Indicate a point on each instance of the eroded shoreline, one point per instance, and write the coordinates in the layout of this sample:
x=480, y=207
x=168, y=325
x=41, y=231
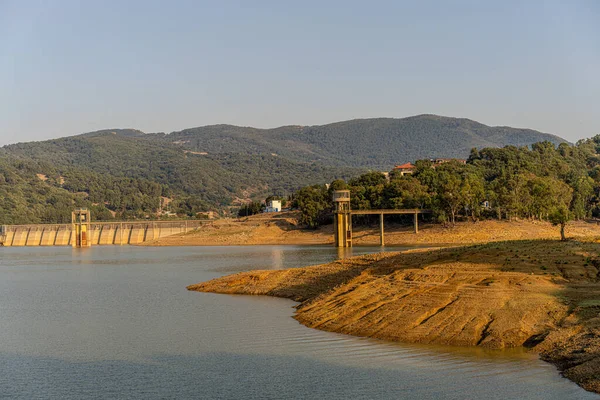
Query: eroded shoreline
x=541, y=294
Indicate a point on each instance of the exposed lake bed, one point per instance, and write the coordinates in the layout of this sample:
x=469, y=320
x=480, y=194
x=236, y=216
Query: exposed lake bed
x=119, y=322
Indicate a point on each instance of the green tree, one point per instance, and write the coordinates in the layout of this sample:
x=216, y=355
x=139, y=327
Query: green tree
x=314, y=203
x=252, y=208
x=560, y=216
x=472, y=191
x=406, y=192
x=583, y=195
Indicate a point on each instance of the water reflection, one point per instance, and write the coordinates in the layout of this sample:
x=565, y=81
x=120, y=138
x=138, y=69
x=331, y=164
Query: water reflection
x=344, y=252
x=277, y=258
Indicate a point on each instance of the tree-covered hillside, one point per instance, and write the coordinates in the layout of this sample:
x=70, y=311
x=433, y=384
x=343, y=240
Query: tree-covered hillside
x=29, y=196
x=125, y=173
x=378, y=143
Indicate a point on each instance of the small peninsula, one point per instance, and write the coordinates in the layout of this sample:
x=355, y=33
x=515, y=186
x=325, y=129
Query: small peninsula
x=541, y=294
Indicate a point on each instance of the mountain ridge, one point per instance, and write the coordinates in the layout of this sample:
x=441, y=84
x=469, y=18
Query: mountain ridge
x=377, y=143
x=251, y=129
x=126, y=171
x=344, y=121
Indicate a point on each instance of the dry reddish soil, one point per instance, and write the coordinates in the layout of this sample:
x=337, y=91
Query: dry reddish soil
x=542, y=294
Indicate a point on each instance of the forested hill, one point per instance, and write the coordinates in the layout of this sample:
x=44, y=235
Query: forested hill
x=123, y=173
x=377, y=143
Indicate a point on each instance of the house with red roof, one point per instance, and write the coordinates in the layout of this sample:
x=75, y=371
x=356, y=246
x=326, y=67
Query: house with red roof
x=404, y=169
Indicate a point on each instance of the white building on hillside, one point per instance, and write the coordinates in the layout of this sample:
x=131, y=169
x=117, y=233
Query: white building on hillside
x=273, y=206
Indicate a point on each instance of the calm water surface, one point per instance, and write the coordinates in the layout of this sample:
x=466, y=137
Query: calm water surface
x=117, y=322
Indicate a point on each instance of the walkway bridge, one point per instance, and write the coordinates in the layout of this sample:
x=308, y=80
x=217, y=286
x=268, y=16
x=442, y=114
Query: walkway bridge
x=100, y=233
x=343, y=218
x=383, y=212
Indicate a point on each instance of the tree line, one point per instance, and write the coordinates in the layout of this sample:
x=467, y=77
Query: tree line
x=543, y=182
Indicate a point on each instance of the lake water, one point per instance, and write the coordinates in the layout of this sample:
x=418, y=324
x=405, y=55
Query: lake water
x=117, y=322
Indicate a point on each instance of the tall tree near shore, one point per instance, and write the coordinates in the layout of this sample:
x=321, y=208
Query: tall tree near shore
x=405, y=192
x=449, y=193
x=583, y=195
x=560, y=216
x=314, y=203
x=472, y=191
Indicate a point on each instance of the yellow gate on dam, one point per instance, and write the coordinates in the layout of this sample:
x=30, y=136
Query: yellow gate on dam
x=96, y=233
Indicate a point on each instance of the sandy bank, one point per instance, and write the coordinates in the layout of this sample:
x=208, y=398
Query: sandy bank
x=542, y=294
x=281, y=228
x=284, y=229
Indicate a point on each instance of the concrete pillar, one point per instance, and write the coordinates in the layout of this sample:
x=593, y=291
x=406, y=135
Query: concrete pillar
x=10, y=237
x=63, y=237
x=137, y=235
x=42, y=236
x=350, y=229
x=115, y=229
x=107, y=235
x=96, y=234
x=381, y=238
x=336, y=240
x=342, y=230
x=416, y=222
x=48, y=236
x=20, y=236
x=347, y=239
x=33, y=237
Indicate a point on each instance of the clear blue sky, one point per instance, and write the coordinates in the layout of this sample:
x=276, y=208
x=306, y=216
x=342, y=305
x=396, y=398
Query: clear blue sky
x=68, y=67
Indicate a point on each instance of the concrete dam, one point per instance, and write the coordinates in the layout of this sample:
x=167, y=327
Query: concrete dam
x=99, y=233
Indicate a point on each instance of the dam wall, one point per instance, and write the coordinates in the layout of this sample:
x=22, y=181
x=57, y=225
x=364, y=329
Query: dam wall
x=101, y=233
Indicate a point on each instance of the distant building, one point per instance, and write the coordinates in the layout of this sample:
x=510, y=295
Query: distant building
x=438, y=161
x=273, y=206
x=409, y=168
x=404, y=169
x=206, y=215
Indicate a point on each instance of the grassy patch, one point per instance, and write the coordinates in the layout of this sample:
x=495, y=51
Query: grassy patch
x=590, y=303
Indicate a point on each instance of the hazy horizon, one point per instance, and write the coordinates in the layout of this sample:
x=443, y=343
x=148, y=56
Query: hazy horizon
x=69, y=67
